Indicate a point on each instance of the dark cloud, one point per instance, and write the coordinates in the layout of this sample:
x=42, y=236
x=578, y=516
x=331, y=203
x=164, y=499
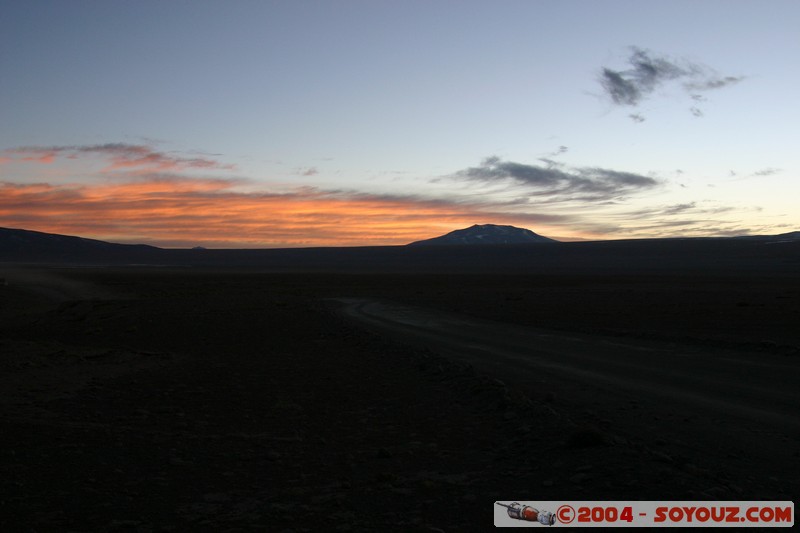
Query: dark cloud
x=696, y=111
x=636, y=117
x=647, y=72
x=621, y=90
x=560, y=183
x=493, y=168
x=628, y=87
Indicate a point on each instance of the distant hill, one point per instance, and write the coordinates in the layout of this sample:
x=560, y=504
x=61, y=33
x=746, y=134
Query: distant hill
x=19, y=245
x=675, y=255
x=486, y=234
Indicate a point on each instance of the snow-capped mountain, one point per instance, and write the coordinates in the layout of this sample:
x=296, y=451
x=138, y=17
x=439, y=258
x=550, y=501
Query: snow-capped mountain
x=486, y=234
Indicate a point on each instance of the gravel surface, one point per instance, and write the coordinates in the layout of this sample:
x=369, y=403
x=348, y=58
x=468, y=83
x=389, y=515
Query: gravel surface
x=171, y=400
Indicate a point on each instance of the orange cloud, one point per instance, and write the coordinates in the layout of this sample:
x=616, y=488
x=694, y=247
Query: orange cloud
x=184, y=212
x=45, y=156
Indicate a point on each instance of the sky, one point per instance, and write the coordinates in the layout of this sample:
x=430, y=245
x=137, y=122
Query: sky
x=248, y=124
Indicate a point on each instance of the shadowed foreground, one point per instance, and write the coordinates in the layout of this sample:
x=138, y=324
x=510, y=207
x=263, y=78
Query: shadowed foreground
x=170, y=399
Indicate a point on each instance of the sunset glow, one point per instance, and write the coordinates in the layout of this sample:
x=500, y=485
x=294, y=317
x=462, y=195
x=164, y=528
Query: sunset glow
x=188, y=213
x=252, y=129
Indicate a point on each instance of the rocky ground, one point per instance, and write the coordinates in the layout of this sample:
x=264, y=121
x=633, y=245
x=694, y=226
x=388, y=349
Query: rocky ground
x=161, y=400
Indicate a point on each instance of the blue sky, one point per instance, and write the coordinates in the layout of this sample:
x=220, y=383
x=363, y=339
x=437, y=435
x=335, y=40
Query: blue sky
x=348, y=123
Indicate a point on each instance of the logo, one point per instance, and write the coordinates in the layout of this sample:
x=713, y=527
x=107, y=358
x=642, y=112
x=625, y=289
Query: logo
x=529, y=514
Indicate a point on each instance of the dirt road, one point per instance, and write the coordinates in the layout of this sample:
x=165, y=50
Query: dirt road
x=708, y=405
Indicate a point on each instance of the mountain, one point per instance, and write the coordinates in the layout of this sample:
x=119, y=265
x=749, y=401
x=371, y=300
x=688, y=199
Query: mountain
x=734, y=254
x=791, y=236
x=19, y=245
x=485, y=234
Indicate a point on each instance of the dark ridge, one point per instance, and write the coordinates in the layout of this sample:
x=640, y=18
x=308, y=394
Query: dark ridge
x=25, y=246
x=691, y=255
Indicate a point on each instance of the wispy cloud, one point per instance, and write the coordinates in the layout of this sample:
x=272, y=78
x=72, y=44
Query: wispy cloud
x=648, y=71
x=560, y=150
x=169, y=199
x=308, y=171
x=689, y=219
x=766, y=172
x=710, y=82
x=763, y=173
x=558, y=182
x=121, y=156
x=696, y=208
